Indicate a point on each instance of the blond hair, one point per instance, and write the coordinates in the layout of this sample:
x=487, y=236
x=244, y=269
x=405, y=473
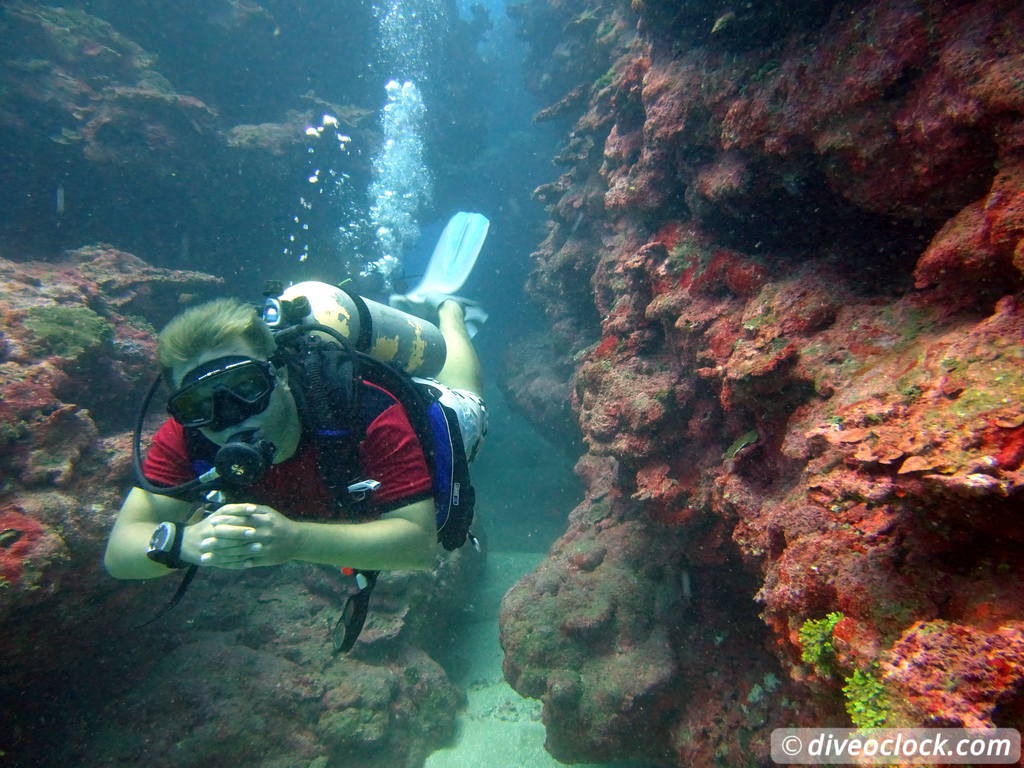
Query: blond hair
x=208, y=326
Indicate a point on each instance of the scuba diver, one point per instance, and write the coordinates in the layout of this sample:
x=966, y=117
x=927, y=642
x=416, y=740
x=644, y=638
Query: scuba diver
x=326, y=428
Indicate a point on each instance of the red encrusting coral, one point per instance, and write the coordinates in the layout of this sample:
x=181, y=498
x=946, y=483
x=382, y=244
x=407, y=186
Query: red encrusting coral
x=18, y=535
x=933, y=662
x=1011, y=454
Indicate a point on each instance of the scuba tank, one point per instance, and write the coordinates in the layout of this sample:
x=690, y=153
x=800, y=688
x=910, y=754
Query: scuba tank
x=382, y=332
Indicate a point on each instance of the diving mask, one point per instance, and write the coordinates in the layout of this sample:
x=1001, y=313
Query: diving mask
x=223, y=392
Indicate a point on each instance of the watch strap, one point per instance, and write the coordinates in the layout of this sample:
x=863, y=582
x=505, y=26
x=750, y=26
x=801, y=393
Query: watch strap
x=175, y=553
x=170, y=557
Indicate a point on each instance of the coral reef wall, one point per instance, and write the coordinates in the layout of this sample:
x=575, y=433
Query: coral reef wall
x=784, y=272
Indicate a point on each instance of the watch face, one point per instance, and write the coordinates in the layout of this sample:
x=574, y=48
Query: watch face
x=162, y=537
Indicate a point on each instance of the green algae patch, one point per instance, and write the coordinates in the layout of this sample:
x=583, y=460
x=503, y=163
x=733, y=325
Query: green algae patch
x=683, y=256
x=605, y=80
x=816, y=643
x=866, y=700
x=67, y=331
x=741, y=442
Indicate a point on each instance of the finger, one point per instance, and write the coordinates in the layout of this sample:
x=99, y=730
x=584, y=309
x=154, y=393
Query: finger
x=212, y=545
x=227, y=558
x=225, y=519
x=230, y=537
x=261, y=518
x=216, y=544
x=242, y=510
x=257, y=519
x=237, y=561
x=230, y=531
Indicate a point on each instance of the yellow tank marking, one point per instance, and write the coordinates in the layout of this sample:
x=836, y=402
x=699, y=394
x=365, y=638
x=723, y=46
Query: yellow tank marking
x=341, y=322
x=419, y=346
x=340, y=317
x=385, y=348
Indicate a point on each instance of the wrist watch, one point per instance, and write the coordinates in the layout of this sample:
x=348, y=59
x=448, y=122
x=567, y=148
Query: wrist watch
x=165, y=545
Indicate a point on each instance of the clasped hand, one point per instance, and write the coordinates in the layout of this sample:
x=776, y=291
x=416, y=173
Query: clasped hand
x=241, y=536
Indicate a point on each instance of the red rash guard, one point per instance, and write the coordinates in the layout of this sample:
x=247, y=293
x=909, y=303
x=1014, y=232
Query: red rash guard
x=390, y=454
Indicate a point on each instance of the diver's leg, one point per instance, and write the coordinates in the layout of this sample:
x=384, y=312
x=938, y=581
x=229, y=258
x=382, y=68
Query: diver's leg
x=462, y=366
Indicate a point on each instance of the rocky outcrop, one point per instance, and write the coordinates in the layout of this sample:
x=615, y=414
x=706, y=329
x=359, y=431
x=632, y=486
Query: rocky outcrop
x=784, y=265
x=71, y=356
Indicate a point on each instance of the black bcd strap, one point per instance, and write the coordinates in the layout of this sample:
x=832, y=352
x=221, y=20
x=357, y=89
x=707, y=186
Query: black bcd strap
x=329, y=378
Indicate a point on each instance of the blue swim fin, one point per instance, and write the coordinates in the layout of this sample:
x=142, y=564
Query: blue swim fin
x=455, y=254
x=450, y=264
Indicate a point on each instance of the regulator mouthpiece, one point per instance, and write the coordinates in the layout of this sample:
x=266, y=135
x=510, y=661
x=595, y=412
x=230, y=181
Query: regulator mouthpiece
x=244, y=459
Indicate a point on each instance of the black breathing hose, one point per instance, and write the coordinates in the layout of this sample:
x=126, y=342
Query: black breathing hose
x=140, y=478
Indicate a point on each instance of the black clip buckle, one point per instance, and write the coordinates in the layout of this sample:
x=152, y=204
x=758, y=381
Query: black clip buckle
x=359, y=491
x=346, y=630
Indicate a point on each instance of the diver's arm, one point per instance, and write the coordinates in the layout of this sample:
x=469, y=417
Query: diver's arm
x=404, y=538
x=140, y=513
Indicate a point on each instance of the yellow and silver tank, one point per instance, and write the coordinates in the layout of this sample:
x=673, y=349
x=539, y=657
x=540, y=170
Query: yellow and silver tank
x=384, y=333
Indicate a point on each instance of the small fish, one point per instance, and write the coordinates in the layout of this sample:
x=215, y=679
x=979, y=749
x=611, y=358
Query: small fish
x=723, y=22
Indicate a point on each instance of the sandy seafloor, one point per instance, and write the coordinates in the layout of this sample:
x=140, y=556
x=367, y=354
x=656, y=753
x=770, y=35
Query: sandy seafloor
x=498, y=728
x=525, y=489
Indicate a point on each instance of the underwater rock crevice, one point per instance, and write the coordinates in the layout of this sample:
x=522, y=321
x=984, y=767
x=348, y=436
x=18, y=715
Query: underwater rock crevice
x=807, y=276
